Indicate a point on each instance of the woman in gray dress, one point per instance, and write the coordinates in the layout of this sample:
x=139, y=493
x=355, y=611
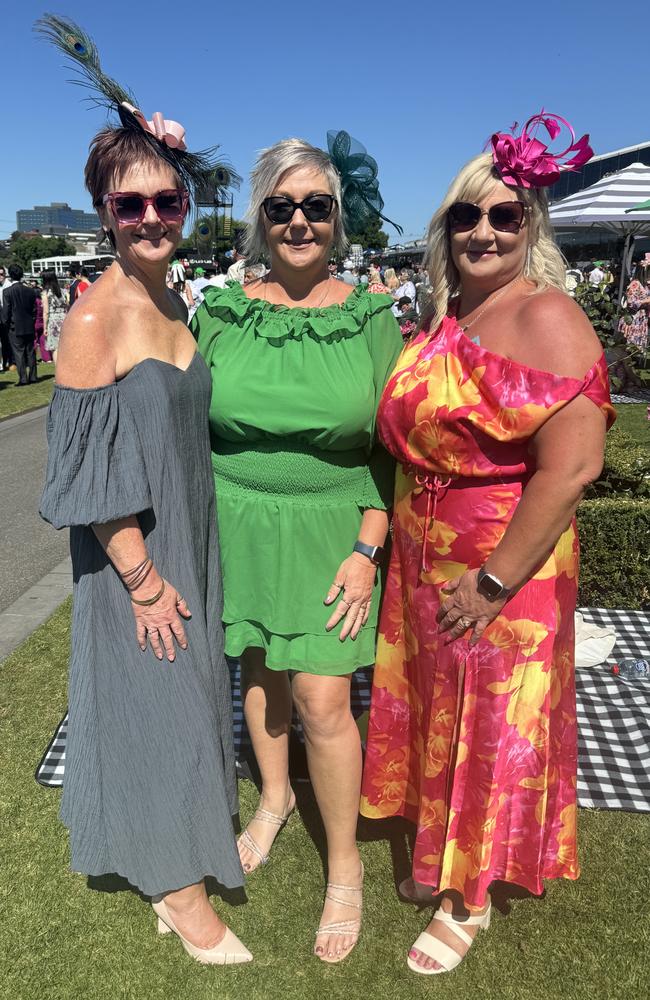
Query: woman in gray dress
x=150, y=786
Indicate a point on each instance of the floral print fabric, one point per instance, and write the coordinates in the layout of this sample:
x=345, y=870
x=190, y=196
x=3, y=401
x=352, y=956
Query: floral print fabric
x=476, y=746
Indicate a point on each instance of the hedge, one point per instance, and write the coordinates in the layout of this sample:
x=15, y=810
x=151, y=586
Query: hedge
x=614, y=553
x=626, y=470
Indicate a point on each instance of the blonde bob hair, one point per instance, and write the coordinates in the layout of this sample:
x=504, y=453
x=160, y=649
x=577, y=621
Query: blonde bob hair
x=271, y=166
x=545, y=265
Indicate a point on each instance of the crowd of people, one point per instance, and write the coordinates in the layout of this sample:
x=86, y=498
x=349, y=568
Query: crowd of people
x=288, y=483
x=31, y=317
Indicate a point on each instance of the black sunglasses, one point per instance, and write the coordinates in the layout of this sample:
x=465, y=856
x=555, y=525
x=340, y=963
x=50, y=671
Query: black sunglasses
x=315, y=208
x=506, y=217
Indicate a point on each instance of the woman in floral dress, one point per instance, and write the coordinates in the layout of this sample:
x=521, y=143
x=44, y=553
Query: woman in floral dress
x=496, y=413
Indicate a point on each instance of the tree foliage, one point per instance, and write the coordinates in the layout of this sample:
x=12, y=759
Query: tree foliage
x=23, y=249
x=372, y=236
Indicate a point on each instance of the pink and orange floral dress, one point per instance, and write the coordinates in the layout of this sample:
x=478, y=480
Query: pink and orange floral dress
x=477, y=746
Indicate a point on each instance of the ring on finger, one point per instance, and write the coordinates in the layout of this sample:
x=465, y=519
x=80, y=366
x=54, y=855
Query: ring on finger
x=464, y=623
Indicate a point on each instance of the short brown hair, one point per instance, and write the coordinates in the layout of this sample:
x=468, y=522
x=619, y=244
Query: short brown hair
x=113, y=151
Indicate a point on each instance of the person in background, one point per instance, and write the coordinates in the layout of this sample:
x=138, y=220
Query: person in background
x=332, y=269
x=39, y=328
x=596, y=275
x=54, y=312
x=218, y=279
x=572, y=278
x=375, y=284
x=407, y=317
x=635, y=330
x=391, y=280
x=363, y=275
x=5, y=346
x=19, y=314
x=405, y=288
x=348, y=275
x=237, y=269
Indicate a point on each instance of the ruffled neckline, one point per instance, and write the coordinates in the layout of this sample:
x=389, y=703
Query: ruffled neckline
x=278, y=323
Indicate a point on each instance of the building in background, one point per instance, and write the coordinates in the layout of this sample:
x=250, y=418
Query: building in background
x=56, y=219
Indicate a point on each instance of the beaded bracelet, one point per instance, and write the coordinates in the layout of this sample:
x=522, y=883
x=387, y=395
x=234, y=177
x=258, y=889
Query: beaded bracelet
x=150, y=600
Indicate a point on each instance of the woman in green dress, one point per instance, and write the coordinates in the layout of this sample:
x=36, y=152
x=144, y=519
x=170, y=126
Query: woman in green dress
x=298, y=363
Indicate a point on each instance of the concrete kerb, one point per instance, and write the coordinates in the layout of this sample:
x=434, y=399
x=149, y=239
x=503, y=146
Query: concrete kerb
x=35, y=606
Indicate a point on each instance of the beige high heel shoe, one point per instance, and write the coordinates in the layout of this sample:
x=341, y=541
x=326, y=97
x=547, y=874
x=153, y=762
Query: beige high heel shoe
x=229, y=951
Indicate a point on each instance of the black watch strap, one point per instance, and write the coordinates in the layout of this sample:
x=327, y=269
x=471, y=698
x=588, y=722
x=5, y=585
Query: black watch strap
x=373, y=552
x=490, y=586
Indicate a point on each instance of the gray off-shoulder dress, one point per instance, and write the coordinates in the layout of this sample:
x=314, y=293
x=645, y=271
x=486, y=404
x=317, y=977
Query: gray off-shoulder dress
x=150, y=787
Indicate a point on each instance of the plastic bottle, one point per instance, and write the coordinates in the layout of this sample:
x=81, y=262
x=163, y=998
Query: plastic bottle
x=632, y=667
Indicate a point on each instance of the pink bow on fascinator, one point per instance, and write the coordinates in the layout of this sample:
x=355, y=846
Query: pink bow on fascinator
x=524, y=161
x=164, y=129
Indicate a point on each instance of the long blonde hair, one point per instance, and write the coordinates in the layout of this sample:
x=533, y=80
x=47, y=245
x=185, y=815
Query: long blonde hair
x=545, y=266
x=390, y=279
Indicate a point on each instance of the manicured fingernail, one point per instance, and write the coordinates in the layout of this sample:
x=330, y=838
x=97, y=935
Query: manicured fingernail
x=413, y=953
x=142, y=648
x=159, y=656
x=183, y=645
x=171, y=659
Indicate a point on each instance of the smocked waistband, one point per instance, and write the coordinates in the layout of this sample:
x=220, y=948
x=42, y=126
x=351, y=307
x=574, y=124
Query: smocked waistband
x=299, y=474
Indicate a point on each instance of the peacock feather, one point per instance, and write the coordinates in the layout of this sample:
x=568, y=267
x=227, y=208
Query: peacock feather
x=201, y=171
x=80, y=49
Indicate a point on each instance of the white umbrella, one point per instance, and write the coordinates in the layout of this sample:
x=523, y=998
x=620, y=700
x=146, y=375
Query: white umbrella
x=605, y=204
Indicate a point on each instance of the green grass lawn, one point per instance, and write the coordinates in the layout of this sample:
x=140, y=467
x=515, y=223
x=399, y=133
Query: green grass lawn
x=633, y=419
x=64, y=937
x=14, y=400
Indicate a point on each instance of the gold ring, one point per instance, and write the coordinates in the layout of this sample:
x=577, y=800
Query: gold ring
x=464, y=624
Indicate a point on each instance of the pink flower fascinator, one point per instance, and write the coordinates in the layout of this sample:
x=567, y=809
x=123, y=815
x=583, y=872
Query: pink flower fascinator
x=525, y=161
x=165, y=129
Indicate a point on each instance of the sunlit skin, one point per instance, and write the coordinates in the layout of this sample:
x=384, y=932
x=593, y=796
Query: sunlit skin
x=128, y=315
x=299, y=276
x=548, y=331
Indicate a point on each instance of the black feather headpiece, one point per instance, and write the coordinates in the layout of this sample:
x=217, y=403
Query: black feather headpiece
x=200, y=172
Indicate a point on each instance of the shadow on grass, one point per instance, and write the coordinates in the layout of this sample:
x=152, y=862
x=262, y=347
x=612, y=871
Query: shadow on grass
x=116, y=883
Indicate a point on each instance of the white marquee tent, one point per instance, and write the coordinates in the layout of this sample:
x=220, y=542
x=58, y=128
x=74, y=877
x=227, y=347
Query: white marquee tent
x=606, y=203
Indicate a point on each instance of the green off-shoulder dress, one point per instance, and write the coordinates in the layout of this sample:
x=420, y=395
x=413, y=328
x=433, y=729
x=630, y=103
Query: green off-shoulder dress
x=292, y=424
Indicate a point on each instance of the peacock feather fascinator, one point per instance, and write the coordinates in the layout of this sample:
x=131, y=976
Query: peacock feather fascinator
x=199, y=172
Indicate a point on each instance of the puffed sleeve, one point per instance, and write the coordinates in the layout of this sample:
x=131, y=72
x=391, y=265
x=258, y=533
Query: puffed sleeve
x=385, y=344
x=95, y=466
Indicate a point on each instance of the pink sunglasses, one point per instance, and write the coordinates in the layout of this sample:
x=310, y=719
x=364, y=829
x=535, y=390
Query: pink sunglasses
x=129, y=207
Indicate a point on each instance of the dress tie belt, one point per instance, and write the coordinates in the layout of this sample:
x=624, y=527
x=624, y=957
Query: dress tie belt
x=433, y=485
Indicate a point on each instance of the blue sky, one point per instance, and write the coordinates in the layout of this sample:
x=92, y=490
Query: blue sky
x=422, y=84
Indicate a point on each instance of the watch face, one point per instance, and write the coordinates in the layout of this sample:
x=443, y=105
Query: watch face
x=490, y=586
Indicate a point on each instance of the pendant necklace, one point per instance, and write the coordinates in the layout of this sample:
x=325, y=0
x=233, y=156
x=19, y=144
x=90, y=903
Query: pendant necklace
x=490, y=303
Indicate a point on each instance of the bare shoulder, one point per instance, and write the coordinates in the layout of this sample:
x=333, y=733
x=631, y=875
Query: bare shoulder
x=558, y=337
x=86, y=358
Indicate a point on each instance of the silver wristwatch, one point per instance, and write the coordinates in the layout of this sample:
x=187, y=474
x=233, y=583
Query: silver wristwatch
x=490, y=586
x=374, y=553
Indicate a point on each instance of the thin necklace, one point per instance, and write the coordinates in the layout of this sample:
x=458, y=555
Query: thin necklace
x=496, y=298
x=265, y=282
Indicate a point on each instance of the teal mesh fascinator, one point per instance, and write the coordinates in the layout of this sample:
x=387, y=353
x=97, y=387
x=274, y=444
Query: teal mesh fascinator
x=359, y=185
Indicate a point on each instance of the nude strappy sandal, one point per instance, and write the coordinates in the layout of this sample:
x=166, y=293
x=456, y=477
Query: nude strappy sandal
x=351, y=927
x=265, y=816
x=440, y=952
